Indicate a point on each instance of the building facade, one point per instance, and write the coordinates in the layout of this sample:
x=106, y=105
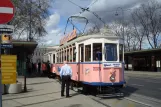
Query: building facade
x=40, y=51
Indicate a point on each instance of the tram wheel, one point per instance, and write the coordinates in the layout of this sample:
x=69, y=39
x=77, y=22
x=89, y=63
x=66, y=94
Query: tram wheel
x=85, y=89
x=93, y=90
x=72, y=85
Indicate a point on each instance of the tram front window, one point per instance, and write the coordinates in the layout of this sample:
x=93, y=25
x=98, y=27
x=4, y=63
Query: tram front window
x=110, y=52
x=97, y=51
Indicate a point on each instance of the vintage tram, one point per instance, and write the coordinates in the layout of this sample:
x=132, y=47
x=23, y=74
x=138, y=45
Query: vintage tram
x=97, y=60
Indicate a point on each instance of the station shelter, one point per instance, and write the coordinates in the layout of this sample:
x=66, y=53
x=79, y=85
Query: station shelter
x=143, y=60
x=24, y=51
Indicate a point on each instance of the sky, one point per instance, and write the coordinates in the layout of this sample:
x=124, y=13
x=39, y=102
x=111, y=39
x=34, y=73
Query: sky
x=61, y=10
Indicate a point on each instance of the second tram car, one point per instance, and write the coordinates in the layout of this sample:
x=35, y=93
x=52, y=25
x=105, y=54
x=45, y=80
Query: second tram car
x=96, y=59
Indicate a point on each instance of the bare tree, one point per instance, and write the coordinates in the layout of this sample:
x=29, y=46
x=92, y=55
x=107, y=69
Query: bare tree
x=138, y=32
x=38, y=10
x=130, y=40
x=149, y=18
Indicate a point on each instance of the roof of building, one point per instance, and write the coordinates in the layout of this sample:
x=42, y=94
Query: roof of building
x=144, y=51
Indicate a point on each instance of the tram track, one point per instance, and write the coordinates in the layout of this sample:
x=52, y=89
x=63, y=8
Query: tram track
x=133, y=98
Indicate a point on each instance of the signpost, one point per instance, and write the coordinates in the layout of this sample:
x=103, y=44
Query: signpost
x=6, y=15
x=8, y=69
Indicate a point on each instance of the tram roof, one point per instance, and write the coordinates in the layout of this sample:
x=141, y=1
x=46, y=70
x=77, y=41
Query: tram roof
x=85, y=37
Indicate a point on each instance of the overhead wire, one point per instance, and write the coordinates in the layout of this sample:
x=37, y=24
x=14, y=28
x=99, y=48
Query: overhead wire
x=87, y=9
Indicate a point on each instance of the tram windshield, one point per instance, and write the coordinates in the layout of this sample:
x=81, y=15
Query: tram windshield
x=110, y=52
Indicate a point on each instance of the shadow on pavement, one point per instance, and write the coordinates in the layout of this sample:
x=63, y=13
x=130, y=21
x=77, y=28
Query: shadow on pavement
x=74, y=105
x=72, y=95
x=40, y=83
x=30, y=96
x=22, y=93
x=125, y=92
x=23, y=105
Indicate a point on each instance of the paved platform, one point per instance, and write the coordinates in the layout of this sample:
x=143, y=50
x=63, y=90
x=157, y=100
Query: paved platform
x=44, y=92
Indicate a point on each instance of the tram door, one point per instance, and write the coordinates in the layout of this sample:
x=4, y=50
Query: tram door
x=80, y=59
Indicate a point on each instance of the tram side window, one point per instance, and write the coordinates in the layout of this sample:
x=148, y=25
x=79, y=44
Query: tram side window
x=110, y=52
x=121, y=52
x=97, y=51
x=70, y=56
x=53, y=58
x=74, y=54
x=58, y=57
x=65, y=56
x=88, y=53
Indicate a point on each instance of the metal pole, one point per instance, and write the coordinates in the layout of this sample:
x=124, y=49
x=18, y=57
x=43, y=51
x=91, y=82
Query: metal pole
x=30, y=21
x=122, y=25
x=25, y=87
x=0, y=75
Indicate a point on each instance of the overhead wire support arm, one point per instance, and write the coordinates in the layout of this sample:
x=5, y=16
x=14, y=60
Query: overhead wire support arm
x=74, y=25
x=66, y=26
x=79, y=17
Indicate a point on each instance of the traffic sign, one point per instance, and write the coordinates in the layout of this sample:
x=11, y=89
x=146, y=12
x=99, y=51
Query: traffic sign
x=6, y=11
x=9, y=68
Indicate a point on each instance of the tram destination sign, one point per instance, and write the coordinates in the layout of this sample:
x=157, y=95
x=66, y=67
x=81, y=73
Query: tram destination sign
x=109, y=65
x=68, y=37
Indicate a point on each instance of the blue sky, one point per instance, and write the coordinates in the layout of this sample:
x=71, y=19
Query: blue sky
x=62, y=9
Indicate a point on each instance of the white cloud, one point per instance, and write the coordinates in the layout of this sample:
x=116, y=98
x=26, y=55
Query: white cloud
x=106, y=10
x=66, y=8
x=54, y=32
x=53, y=37
x=53, y=21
